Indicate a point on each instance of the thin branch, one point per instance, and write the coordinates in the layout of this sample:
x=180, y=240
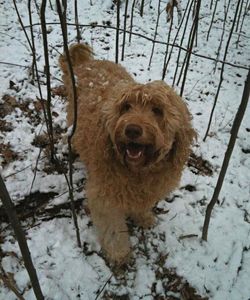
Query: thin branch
x=33, y=49
x=165, y=63
x=62, y=18
x=182, y=39
x=124, y=32
x=35, y=172
x=155, y=34
x=234, y=132
x=11, y=212
x=8, y=282
x=226, y=9
x=238, y=21
x=142, y=8
x=152, y=40
x=211, y=4
x=242, y=22
x=221, y=74
x=21, y=23
x=78, y=34
x=47, y=71
x=131, y=20
x=175, y=38
x=117, y=31
x=212, y=20
x=27, y=67
x=190, y=46
x=102, y=289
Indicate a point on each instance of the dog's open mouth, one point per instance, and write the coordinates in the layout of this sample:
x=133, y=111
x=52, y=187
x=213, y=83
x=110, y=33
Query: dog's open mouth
x=136, y=153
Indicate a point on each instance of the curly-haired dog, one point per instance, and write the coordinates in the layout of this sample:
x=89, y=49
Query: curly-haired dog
x=134, y=140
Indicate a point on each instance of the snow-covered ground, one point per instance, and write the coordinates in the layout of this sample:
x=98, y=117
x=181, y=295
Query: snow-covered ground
x=218, y=269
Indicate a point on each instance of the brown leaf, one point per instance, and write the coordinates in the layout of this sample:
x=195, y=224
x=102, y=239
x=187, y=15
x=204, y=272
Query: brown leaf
x=59, y=91
x=7, y=153
x=5, y=126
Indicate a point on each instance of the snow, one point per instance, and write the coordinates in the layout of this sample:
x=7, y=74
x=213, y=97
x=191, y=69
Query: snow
x=217, y=269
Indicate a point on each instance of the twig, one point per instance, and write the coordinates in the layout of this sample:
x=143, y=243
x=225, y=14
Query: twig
x=47, y=71
x=190, y=46
x=34, y=178
x=74, y=93
x=166, y=52
x=223, y=32
x=211, y=4
x=155, y=34
x=212, y=20
x=242, y=22
x=238, y=21
x=187, y=236
x=21, y=23
x=102, y=289
x=234, y=131
x=175, y=38
x=10, y=210
x=27, y=67
x=117, y=31
x=152, y=40
x=142, y=8
x=78, y=34
x=131, y=20
x=124, y=32
x=33, y=49
x=10, y=284
x=182, y=39
x=221, y=73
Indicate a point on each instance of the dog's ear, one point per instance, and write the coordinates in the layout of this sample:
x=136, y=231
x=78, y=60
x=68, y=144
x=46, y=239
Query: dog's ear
x=185, y=135
x=178, y=120
x=181, y=148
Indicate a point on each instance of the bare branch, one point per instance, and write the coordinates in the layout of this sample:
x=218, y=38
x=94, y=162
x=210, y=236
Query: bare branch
x=117, y=31
x=221, y=73
x=234, y=131
x=47, y=71
x=131, y=20
x=78, y=34
x=155, y=34
x=124, y=32
x=10, y=210
x=190, y=45
x=165, y=66
x=152, y=40
x=62, y=18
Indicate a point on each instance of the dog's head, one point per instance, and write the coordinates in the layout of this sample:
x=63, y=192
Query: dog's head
x=147, y=124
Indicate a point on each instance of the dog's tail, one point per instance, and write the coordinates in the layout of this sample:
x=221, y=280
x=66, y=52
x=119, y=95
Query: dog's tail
x=79, y=54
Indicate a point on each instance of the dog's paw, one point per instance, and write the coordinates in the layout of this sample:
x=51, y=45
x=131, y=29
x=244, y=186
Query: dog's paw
x=145, y=221
x=117, y=247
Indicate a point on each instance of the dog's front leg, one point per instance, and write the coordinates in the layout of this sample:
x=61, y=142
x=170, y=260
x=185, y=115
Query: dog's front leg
x=112, y=231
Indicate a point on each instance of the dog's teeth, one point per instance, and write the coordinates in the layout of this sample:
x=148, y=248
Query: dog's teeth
x=134, y=156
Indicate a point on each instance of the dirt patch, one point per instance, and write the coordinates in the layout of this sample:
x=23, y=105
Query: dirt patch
x=7, y=154
x=5, y=126
x=199, y=166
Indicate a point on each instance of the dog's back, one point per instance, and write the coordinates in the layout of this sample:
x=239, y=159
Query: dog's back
x=95, y=79
x=97, y=82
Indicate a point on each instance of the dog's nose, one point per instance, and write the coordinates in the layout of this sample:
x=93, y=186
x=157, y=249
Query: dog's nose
x=133, y=131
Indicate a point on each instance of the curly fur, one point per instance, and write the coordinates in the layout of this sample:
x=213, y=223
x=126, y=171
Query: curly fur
x=124, y=181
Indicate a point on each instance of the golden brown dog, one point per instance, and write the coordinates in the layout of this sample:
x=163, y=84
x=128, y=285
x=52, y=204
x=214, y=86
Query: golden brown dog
x=134, y=140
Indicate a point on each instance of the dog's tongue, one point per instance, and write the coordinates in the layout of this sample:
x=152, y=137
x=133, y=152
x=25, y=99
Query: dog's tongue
x=134, y=151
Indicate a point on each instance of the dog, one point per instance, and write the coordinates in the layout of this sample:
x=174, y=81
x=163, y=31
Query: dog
x=134, y=140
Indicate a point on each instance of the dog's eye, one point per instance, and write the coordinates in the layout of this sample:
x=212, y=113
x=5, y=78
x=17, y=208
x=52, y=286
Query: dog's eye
x=157, y=111
x=125, y=107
